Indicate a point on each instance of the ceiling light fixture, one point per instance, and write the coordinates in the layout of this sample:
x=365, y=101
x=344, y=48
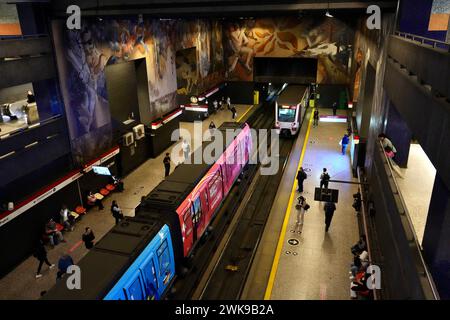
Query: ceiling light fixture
x=328, y=14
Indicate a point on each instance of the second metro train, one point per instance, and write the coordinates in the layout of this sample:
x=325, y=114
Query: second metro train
x=288, y=109
x=138, y=259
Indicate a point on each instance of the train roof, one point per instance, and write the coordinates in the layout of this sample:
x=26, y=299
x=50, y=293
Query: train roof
x=104, y=264
x=292, y=95
x=169, y=193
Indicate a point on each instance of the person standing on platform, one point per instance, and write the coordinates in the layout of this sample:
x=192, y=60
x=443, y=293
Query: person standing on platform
x=41, y=255
x=116, y=212
x=335, y=108
x=233, y=112
x=186, y=149
x=166, y=162
x=329, y=208
x=301, y=176
x=344, y=143
x=216, y=105
x=324, y=179
x=301, y=207
x=228, y=103
x=88, y=238
x=64, y=217
x=316, y=118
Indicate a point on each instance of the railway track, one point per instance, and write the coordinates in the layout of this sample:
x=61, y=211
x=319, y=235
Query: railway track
x=235, y=231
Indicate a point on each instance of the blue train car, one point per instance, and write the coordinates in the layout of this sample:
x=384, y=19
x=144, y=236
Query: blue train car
x=150, y=274
x=133, y=261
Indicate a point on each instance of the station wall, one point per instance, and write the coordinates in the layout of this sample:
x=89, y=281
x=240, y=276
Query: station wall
x=328, y=40
x=83, y=55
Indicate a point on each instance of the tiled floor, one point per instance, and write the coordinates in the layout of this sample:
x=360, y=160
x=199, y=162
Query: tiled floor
x=21, y=283
x=317, y=267
x=416, y=187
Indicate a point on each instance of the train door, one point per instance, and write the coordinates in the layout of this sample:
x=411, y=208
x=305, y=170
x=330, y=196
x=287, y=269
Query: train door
x=134, y=288
x=196, y=217
x=164, y=266
x=188, y=231
x=150, y=278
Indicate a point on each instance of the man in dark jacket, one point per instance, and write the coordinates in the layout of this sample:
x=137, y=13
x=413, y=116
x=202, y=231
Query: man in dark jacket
x=166, y=162
x=329, y=208
x=41, y=255
x=88, y=238
x=334, y=108
x=301, y=176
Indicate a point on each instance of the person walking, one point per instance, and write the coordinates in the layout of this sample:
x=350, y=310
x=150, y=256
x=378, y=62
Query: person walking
x=301, y=207
x=324, y=179
x=329, y=208
x=41, y=255
x=301, y=176
x=88, y=238
x=166, y=162
x=344, y=143
x=228, y=103
x=335, y=108
x=186, y=149
x=316, y=118
x=233, y=112
x=116, y=212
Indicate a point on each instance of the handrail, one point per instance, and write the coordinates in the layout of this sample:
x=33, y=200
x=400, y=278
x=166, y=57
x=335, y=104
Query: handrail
x=423, y=40
x=23, y=36
x=426, y=273
x=365, y=225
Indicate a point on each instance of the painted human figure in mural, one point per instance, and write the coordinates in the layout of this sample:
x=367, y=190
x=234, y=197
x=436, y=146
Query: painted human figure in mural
x=238, y=42
x=203, y=41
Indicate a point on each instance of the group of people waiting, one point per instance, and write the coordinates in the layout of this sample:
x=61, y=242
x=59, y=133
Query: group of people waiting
x=302, y=206
x=359, y=274
x=220, y=105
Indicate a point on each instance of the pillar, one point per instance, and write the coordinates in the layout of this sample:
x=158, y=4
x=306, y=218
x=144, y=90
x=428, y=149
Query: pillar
x=436, y=239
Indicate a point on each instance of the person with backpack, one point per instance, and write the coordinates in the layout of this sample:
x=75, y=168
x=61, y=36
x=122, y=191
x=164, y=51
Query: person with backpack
x=41, y=255
x=301, y=176
x=324, y=179
x=301, y=207
x=116, y=212
x=344, y=143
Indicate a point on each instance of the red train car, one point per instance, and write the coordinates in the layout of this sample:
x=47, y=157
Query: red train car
x=189, y=197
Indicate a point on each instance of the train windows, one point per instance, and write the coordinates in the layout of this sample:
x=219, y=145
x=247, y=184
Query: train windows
x=215, y=190
x=150, y=279
x=286, y=115
x=134, y=288
x=196, y=216
x=164, y=262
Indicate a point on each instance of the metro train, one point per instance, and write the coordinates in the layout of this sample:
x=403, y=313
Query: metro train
x=288, y=109
x=139, y=258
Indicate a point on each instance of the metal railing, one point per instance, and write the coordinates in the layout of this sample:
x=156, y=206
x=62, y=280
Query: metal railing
x=425, y=276
x=437, y=44
x=23, y=37
x=364, y=216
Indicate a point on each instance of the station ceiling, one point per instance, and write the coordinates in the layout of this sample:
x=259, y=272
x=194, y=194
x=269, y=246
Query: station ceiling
x=213, y=8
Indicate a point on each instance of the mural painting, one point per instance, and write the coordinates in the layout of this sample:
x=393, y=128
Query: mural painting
x=83, y=55
x=186, y=62
x=330, y=40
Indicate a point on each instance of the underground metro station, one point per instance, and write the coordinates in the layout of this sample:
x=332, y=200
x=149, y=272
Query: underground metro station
x=224, y=150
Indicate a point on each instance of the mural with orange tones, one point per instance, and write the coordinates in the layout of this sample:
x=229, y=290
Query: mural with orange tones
x=328, y=40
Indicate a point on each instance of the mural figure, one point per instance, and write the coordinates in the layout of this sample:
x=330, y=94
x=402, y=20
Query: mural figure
x=238, y=42
x=186, y=71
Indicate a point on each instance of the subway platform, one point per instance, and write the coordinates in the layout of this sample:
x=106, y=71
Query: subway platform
x=313, y=264
x=21, y=282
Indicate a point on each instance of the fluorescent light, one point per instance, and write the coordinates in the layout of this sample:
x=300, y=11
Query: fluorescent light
x=328, y=14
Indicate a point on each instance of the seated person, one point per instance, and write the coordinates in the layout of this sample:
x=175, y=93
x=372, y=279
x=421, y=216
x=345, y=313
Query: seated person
x=52, y=232
x=360, y=246
x=93, y=201
x=118, y=183
x=359, y=285
x=66, y=218
x=64, y=262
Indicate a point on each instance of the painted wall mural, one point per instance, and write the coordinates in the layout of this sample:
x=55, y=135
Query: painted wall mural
x=329, y=40
x=83, y=55
x=187, y=77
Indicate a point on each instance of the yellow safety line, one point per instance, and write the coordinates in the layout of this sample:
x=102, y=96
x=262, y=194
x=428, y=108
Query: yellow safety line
x=287, y=215
x=239, y=120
